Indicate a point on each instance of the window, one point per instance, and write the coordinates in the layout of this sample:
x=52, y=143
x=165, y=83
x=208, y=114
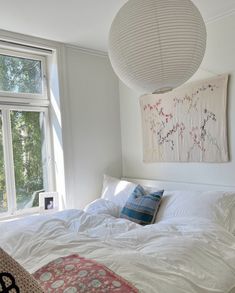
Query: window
x=20, y=75
x=24, y=132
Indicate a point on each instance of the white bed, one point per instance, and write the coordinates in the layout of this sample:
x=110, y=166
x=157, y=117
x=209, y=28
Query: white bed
x=174, y=255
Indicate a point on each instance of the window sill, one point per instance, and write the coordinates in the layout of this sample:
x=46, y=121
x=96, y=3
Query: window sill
x=25, y=213
x=19, y=214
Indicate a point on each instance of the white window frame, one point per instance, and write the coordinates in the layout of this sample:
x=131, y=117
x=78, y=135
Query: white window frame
x=27, y=96
x=32, y=103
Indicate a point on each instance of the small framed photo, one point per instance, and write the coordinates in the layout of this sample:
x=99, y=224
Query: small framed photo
x=48, y=201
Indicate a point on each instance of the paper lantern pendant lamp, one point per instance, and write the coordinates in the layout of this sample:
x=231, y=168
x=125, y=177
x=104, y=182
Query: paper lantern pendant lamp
x=157, y=45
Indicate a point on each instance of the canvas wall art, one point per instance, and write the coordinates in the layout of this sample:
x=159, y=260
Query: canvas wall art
x=188, y=124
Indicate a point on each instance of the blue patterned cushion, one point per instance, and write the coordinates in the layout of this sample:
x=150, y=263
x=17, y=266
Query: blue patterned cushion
x=140, y=207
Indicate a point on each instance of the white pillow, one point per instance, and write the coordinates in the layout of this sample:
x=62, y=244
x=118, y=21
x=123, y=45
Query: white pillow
x=103, y=206
x=217, y=206
x=117, y=190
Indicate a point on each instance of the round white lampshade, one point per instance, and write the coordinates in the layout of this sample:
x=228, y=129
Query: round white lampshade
x=157, y=45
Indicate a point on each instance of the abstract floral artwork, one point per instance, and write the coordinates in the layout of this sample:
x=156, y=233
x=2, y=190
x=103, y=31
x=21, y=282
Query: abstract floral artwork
x=188, y=124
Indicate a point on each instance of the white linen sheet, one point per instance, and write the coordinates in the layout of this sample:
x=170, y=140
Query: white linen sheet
x=172, y=256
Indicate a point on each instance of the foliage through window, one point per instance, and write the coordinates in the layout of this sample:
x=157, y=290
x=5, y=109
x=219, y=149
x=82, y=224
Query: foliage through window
x=24, y=143
x=20, y=75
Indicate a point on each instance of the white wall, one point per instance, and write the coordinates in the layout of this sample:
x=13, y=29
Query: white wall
x=92, y=123
x=219, y=58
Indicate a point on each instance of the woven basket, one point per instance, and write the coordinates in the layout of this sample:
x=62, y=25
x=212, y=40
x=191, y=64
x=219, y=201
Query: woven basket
x=14, y=278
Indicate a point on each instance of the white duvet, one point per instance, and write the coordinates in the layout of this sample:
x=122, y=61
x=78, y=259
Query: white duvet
x=173, y=256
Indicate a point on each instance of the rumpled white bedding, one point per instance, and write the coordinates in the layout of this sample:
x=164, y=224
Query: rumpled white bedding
x=172, y=256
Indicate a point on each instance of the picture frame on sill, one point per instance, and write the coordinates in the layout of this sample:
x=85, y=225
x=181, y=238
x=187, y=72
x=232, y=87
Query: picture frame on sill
x=48, y=201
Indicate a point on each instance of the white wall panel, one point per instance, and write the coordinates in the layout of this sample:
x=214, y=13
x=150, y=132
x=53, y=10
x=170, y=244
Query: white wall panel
x=93, y=120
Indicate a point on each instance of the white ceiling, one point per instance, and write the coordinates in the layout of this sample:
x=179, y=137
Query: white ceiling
x=85, y=23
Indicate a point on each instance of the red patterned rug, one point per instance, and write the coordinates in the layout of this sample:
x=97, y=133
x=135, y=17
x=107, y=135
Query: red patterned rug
x=72, y=274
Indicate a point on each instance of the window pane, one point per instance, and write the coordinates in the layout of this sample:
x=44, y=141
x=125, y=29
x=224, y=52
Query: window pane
x=3, y=194
x=20, y=75
x=28, y=147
